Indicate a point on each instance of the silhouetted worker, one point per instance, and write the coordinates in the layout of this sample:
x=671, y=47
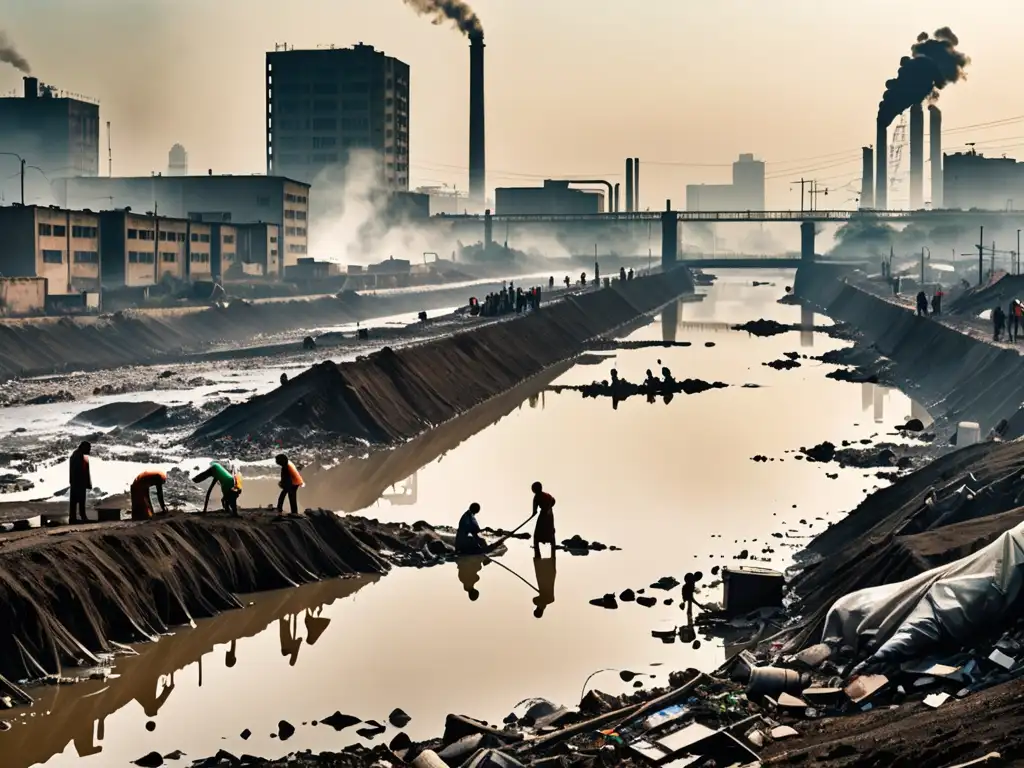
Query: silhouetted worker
x=937, y=302
x=230, y=486
x=567, y=282
x=288, y=634
x=622, y=274
x=544, y=509
x=668, y=381
x=544, y=571
x=284, y=379
x=551, y=282
x=629, y=275
x=142, y=506
x=922, y=304
x=689, y=589
x=468, y=540
x=583, y=279
x=1015, y=319
x=652, y=383
x=309, y=343
x=998, y=322
x=79, y=481
x=290, y=483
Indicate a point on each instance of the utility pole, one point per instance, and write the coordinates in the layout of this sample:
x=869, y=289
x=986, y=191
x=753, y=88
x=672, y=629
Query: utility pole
x=801, y=183
x=22, y=181
x=981, y=255
x=992, y=262
x=1018, y=251
x=922, y=267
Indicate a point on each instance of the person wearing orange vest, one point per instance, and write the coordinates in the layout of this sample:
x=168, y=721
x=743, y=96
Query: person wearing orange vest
x=79, y=482
x=142, y=507
x=290, y=483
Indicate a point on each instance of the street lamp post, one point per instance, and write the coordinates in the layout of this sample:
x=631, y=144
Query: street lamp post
x=923, y=249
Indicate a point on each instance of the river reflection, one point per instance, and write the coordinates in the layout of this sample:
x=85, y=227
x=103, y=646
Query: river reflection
x=673, y=487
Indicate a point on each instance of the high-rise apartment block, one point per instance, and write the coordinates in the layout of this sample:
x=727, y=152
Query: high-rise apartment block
x=324, y=104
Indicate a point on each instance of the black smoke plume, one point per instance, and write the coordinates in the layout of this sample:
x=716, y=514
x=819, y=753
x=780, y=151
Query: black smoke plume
x=933, y=64
x=455, y=11
x=10, y=55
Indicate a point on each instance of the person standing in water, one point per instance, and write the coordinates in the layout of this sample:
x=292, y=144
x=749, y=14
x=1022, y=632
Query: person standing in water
x=544, y=510
x=80, y=482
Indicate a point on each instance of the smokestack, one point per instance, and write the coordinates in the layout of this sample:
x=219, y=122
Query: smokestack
x=477, y=156
x=867, y=180
x=916, y=157
x=935, y=136
x=31, y=87
x=629, y=184
x=881, y=152
x=636, y=183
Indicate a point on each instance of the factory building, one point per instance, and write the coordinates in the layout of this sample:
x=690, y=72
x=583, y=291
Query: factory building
x=746, y=193
x=53, y=133
x=226, y=199
x=971, y=180
x=325, y=103
x=555, y=197
x=78, y=251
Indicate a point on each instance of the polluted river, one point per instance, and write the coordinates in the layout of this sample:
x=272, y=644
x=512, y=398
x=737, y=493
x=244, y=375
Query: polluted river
x=670, y=487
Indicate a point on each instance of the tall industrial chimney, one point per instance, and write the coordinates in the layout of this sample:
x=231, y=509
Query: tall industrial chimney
x=31, y=87
x=881, y=152
x=867, y=180
x=629, y=184
x=935, y=136
x=477, y=154
x=636, y=183
x=916, y=157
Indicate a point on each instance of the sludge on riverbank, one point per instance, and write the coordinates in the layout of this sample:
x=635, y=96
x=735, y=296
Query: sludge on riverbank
x=952, y=374
x=39, y=346
x=66, y=596
x=392, y=395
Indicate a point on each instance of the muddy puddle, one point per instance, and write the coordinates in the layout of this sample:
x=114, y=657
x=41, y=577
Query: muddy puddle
x=673, y=485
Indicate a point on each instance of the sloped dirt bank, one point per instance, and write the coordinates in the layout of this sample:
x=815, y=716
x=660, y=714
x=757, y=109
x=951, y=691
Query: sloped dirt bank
x=392, y=396
x=50, y=345
x=65, y=596
x=950, y=373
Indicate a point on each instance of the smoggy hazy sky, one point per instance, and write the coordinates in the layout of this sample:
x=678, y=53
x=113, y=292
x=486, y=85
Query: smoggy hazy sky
x=573, y=86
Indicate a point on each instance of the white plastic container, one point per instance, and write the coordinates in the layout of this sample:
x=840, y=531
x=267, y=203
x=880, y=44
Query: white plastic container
x=967, y=433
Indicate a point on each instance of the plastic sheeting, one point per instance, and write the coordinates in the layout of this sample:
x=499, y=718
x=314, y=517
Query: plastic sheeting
x=951, y=602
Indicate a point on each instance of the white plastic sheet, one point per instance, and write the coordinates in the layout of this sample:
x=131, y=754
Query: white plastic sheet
x=951, y=602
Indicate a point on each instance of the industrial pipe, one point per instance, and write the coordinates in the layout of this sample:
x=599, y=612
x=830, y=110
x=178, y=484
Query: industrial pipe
x=881, y=169
x=629, y=185
x=616, y=207
x=916, y=157
x=935, y=137
x=636, y=183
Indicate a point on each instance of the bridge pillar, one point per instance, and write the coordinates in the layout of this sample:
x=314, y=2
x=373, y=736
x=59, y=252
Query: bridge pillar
x=488, y=230
x=807, y=241
x=669, y=238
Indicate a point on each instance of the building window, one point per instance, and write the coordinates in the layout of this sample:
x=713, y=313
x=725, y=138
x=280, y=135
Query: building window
x=133, y=234
x=273, y=239
x=147, y=234
x=182, y=237
x=53, y=257
x=195, y=237
x=300, y=215
x=204, y=238
x=168, y=257
x=200, y=258
x=45, y=230
x=325, y=124
x=164, y=235
x=87, y=257
x=59, y=230
x=293, y=248
x=229, y=239
x=84, y=232
x=289, y=214
x=141, y=257
x=320, y=142
x=273, y=252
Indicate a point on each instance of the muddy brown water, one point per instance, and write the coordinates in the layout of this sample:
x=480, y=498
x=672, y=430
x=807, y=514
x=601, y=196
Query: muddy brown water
x=672, y=485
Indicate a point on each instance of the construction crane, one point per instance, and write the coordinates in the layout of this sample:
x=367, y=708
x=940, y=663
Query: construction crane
x=899, y=140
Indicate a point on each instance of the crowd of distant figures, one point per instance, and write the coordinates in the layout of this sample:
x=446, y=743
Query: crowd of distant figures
x=512, y=299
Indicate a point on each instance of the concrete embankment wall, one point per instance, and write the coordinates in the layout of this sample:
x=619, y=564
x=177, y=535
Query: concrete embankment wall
x=394, y=395
x=40, y=346
x=66, y=598
x=952, y=374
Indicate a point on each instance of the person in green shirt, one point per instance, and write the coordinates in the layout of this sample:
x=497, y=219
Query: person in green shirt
x=230, y=486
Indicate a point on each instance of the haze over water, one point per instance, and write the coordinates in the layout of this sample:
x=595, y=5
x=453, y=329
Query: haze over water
x=663, y=482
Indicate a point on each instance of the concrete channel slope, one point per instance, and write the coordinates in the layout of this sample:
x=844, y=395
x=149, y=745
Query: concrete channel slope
x=394, y=395
x=39, y=346
x=954, y=374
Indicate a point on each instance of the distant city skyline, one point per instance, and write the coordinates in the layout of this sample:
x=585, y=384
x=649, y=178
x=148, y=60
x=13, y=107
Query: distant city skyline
x=573, y=87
